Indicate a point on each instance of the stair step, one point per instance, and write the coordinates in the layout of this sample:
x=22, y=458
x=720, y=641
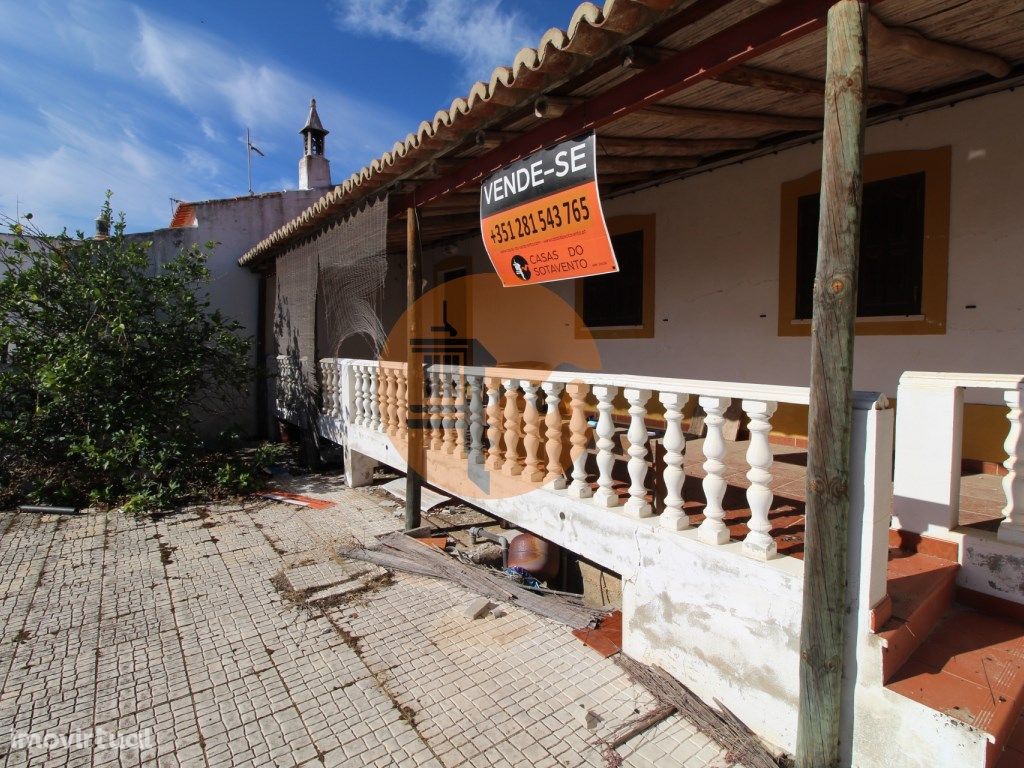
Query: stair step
x=920, y=590
x=1013, y=752
x=971, y=668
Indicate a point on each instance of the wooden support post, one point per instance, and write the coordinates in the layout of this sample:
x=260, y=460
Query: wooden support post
x=414, y=459
x=831, y=397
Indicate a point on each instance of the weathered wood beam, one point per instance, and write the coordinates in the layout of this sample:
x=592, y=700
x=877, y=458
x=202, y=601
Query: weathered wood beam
x=547, y=107
x=612, y=145
x=643, y=57
x=825, y=594
x=787, y=83
x=754, y=36
x=645, y=163
x=917, y=45
x=762, y=119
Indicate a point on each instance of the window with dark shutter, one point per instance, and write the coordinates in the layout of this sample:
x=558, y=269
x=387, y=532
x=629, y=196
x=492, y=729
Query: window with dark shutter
x=621, y=304
x=902, y=272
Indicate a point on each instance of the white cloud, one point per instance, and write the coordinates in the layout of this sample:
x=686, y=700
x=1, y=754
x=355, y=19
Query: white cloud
x=479, y=33
x=100, y=95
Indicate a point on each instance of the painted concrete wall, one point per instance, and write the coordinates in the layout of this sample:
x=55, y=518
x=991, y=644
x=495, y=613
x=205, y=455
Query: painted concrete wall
x=717, y=263
x=235, y=225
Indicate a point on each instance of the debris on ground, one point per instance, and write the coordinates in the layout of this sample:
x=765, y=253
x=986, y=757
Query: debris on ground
x=721, y=725
x=477, y=608
x=297, y=499
x=399, y=552
x=586, y=717
x=428, y=498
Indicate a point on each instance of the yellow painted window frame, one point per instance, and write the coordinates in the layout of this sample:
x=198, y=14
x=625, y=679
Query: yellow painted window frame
x=620, y=225
x=935, y=164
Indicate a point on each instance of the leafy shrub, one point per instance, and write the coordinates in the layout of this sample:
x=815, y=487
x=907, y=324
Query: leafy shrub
x=107, y=365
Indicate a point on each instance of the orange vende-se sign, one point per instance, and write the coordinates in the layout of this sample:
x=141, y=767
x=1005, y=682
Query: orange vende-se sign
x=541, y=217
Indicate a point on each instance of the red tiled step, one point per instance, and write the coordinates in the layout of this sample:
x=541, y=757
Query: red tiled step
x=971, y=668
x=920, y=588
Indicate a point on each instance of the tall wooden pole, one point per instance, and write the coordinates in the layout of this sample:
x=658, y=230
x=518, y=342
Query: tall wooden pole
x=831, y=399
x=413, y=282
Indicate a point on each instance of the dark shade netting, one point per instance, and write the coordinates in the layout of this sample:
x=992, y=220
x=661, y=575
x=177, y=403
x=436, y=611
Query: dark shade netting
x=330, y=291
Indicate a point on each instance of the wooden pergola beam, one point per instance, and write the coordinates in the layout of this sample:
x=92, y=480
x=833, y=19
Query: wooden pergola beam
x=644, y=163
x=612, y=145
x=754, y=36
x=760, y=119
x=788, y=83
x=915, y=44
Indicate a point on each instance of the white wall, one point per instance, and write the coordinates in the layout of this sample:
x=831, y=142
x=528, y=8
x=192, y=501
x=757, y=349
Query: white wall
x=717, y=262
x=235, y=225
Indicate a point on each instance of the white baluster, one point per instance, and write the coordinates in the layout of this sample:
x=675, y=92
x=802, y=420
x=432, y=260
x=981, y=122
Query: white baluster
x=448, y=441
x=531, y=441
x=357, y=393
x=494, y=460
x=476, y=421
x=460, y=414
x=555, y=477
x=758, y=543
x=1012, y=528
x=605, y=496
x=436, y=421
x=401, y=419
x=637, y=505
x=325, y=389
x=511, y=467
x=331, y=378
x=579, y=488
x=672, y=516
x=367, y=398
x=713, y=529
x=383, y=387
x=375, y=422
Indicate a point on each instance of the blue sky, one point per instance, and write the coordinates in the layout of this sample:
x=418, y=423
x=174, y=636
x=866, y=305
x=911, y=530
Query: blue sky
x=152, y=100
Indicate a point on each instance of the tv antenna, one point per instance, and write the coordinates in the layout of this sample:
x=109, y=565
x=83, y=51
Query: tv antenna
x=249, y=149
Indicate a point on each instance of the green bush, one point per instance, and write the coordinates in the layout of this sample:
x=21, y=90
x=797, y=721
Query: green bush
x=107, y=366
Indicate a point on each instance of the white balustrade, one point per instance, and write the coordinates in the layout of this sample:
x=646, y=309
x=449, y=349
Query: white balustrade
x=713, y=529
x=674, y=442
x=637, y=505
x=526, y=439
x=758, y=543
x=605, y=496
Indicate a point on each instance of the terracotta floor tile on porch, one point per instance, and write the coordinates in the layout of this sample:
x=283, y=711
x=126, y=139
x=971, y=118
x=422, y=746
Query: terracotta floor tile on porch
x=971, y=667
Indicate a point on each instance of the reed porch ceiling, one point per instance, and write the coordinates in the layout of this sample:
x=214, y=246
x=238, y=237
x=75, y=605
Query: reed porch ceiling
x=673, y=89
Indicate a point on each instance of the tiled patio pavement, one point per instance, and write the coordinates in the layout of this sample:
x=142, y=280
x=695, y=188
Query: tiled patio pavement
x=174, y=630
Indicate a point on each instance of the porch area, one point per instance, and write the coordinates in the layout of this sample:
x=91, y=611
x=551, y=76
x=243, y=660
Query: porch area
x=637, y=475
